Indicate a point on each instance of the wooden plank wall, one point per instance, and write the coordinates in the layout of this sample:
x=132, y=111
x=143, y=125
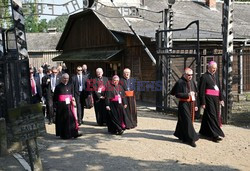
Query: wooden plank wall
x=246, y=70
x=38, y=58
x=88, y=32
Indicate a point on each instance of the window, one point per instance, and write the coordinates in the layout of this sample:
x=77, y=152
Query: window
x=204, y=63
x=113, y=68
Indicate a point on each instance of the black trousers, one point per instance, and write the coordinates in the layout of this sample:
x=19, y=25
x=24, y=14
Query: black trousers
x=35, y=99
x=50, y=108
x=80, y=106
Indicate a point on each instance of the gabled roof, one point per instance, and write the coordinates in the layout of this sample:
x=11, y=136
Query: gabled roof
x=71, y=21
x=87, y=55
x=37, y=42
x=184, y=13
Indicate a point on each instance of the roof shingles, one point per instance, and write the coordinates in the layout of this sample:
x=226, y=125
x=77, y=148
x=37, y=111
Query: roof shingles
x=42, y=41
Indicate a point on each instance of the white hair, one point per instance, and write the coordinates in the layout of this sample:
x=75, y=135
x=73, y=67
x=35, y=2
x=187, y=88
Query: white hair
x=84, y=66
x=99, y=70
x=126, y=70
x=65, y=75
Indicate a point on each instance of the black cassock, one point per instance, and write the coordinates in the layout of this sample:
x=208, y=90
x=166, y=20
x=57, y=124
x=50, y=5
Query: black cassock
x=99, y=89
x=210, y=125
x=184, y=128
x=116, y=117
x=129, y=87
x=66, y=122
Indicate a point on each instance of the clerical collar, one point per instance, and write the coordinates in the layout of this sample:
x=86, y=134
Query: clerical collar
x=210, y=72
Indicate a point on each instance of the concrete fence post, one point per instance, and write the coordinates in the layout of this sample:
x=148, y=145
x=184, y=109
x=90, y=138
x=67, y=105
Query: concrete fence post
x=3, y=137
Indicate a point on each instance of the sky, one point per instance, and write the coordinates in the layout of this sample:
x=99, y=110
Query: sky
x=58, y=7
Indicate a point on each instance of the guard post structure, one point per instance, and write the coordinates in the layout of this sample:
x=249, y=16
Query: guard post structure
x=227, y=59
x=3, y=137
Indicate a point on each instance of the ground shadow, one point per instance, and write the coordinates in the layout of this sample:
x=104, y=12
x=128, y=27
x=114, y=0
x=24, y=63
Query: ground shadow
x=237, y=119
x=240, y=120
x=70, y=157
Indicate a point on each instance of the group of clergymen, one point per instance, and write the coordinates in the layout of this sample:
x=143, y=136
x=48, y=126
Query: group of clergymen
x=115, y=105
x=210, y=96
x=66, y=97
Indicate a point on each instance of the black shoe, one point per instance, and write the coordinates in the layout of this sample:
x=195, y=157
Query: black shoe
x=50, y=122
x=120, y=132
x=215, y=140
x=78, y=135
x=193, y=144
x=219, y=139
x=79, y=123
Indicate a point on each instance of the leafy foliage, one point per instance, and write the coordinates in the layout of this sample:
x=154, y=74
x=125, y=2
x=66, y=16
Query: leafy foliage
x=59, y=22
x=31, y=19
x=5, y=17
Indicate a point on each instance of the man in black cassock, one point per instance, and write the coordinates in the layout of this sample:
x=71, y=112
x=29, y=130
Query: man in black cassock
x=100, y=84
x=128, y=85
x=185, y=90
x=116, y=103
x=210, y=99
x=66, y=117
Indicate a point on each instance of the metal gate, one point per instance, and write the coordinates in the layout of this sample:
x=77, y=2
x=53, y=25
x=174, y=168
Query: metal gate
x=14, y=64
x=172, y=60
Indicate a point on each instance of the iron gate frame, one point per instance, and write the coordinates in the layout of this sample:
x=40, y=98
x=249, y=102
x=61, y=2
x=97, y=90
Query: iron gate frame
x=165, y=53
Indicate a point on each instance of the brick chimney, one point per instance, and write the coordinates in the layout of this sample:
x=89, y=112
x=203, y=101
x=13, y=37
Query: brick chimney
x=211, y=4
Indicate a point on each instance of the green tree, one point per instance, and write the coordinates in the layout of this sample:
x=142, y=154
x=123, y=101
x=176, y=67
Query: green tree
x=59, y=22
x=42, y=26
x=5, y=17
x=31, y=17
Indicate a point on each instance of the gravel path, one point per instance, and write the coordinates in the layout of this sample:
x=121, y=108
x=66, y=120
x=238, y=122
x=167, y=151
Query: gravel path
x=151, y=146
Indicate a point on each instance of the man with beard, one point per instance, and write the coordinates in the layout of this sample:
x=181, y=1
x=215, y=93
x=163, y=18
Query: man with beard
x=185, y=90
x=210, y=99
x=66, y=117
x=128, y=85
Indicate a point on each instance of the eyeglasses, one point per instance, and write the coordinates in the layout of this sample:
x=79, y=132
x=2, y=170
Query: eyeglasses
x=189, y=75
x=79, y=70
